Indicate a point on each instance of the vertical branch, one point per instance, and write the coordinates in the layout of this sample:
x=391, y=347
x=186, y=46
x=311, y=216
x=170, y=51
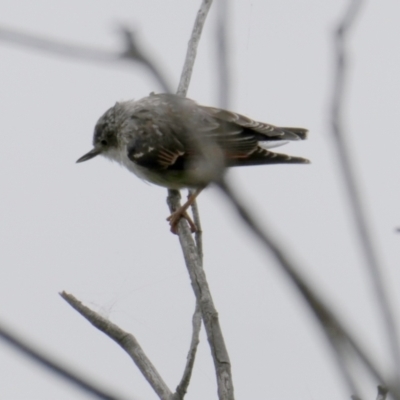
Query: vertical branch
x=350, y=180
x=182, y=90
x=184, y=383
x=192, y=255
x=209, y=313
x=192, y=47
x=198, y=235
x=222, y=54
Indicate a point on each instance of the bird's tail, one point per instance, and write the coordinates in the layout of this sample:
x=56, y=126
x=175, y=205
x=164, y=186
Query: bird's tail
x=301, y=133
x=263, y=156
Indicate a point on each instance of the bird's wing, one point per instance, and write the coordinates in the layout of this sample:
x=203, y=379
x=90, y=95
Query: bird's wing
x=239, y=136
x=261, y=130
x=154, y=147
x=164, y=136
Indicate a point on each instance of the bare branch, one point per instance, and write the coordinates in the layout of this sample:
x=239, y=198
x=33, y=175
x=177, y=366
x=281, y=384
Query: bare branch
x=203, y=296
x=192, y=47
x=222, y=55
x=182, y=90
x=350, y=180
x=335, y=331
x=184, y=383
x=198, y=235
x=132, y=53
x=57, y=48
x=193, y=254
x=127, y=341
x=342, y=355
x=54, y=366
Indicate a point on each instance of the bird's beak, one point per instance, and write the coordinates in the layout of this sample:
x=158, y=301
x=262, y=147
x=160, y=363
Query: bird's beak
x=92, y=153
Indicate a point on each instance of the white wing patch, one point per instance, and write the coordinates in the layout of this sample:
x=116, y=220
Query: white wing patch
x=271, y=144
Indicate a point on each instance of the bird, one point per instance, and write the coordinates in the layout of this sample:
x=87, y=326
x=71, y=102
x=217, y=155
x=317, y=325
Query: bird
x=160, y=139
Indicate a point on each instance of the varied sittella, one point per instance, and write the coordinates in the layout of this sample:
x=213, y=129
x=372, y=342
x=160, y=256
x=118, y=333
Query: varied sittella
x=159, y=138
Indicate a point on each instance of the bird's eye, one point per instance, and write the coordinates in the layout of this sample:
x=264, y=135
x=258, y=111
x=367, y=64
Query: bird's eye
x=104, y=142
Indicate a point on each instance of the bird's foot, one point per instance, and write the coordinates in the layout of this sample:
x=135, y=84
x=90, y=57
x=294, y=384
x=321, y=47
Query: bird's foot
x=176, y=216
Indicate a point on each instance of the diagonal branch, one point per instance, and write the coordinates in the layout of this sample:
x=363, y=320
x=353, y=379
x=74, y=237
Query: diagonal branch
x=350, y=179
x=53, y=366
x=127, y=341
x=338, y=336
x=57, y=48
x=131, y=53
x=135, y=54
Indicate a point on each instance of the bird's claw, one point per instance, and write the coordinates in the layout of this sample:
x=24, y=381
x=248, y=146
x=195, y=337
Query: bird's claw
x=176, y=216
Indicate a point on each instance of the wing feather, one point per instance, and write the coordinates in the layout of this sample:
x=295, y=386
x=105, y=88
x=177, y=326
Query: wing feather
x=161, y=139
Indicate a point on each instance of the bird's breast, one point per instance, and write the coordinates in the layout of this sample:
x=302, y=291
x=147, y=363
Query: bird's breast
x=166, y=178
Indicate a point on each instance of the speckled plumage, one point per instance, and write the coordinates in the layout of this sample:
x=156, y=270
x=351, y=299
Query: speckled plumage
x=153, y=138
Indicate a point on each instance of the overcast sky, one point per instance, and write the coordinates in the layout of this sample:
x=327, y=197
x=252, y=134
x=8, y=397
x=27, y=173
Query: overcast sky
x=98, y=232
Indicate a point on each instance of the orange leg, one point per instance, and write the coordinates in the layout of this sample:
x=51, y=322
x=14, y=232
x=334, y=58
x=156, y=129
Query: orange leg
x=181, y=212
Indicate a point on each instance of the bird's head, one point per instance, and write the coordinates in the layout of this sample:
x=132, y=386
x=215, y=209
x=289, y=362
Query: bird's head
x=105, y=139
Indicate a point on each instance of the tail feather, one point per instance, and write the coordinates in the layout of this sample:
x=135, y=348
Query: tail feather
x=301, y=133
x=263, y=156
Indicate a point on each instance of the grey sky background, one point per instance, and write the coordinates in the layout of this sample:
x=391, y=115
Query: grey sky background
x=98, y=232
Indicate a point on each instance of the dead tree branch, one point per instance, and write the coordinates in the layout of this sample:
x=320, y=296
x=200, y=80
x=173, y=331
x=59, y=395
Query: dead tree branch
x=350, y=179
x=191, y=253
x=54, y=366
x=127, y=341
x=130, y=54
x=208, y=311
x=338, y=336
x=192, y=47
x=187, y=373
x=224, y=91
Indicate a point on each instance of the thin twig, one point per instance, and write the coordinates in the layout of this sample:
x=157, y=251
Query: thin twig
x=342, y=355
x=192, y=47
x=131, y=53
x=198, y=235
x=187, y=373
x=351, y=182
x=54, y=366
x=134, y=53
x=57, y=48
x=127, y=341
x=182, y=90
x=222, y=55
